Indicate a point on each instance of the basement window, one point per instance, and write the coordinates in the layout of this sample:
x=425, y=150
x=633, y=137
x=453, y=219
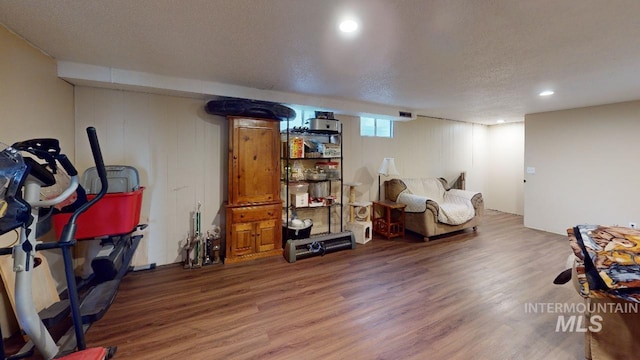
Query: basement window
x=376, y=127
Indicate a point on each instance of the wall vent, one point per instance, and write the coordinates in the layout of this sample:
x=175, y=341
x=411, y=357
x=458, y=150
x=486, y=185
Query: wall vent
x=405, y=114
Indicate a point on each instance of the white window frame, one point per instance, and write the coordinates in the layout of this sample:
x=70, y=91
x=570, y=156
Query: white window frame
x=381, y=128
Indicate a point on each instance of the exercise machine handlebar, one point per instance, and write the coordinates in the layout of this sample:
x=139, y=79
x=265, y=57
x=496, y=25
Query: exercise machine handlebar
x=69, y=231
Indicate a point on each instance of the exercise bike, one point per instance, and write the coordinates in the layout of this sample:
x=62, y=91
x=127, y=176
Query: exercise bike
x=22, y=180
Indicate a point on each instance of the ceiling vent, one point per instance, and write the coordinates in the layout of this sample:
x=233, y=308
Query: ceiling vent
x=405, y=114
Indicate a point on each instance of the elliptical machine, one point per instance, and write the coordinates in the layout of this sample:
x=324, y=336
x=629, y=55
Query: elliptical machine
x=21, y=181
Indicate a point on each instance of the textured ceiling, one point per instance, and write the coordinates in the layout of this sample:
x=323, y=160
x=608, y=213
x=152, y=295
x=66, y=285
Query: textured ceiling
x=465, y=60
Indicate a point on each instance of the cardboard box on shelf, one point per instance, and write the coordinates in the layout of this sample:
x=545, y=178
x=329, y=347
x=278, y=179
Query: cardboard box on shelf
x=300, y=199
x=296, y=148
x=330, y=150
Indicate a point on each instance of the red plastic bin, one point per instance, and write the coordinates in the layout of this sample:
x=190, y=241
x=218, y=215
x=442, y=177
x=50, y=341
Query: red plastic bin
x=114, y=214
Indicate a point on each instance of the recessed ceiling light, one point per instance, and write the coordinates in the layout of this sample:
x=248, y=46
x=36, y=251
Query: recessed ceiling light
x=348, y=26
x=547, y=93
x=500, y=121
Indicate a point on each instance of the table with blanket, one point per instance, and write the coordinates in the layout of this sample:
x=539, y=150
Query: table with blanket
x=606, y=273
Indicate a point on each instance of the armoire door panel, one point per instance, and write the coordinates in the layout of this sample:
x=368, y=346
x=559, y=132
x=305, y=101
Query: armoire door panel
x=255, y=165
x=266, y=235
x=243, y=239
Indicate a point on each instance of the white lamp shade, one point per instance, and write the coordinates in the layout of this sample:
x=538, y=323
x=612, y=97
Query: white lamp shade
x=388, y=167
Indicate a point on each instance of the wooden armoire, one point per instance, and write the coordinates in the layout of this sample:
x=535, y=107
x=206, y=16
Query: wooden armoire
x=254, y=208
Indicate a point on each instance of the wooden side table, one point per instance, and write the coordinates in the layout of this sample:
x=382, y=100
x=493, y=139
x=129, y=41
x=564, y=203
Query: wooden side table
x=389, y=224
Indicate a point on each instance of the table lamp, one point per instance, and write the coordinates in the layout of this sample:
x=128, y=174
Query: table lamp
x=388, y=167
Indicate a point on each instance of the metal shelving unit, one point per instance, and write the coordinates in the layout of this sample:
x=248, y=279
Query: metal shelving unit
x=327, y=154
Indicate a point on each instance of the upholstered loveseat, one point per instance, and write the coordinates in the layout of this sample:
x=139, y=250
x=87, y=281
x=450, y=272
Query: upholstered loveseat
x=432, y=209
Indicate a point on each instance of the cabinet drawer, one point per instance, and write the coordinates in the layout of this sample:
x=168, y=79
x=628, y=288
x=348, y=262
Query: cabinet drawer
x=255, y=213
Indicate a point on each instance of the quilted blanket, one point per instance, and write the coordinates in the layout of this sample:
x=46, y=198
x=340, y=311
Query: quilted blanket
x=612, y=269
x=453, y=209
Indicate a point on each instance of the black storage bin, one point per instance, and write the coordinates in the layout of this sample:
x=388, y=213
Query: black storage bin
x=290, y=233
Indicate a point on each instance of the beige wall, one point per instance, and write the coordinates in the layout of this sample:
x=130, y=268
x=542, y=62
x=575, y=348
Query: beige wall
x=505, y=186
x=586, y=163
x=177, y=148
x=422, y=147
x=33, y=103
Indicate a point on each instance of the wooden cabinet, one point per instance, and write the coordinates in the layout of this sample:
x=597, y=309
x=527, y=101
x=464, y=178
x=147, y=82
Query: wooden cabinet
x=254, y=153
x=254, y=209
x=254, y=232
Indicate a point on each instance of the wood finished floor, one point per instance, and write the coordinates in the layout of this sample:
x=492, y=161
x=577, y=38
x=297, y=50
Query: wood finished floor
x=459, y=297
